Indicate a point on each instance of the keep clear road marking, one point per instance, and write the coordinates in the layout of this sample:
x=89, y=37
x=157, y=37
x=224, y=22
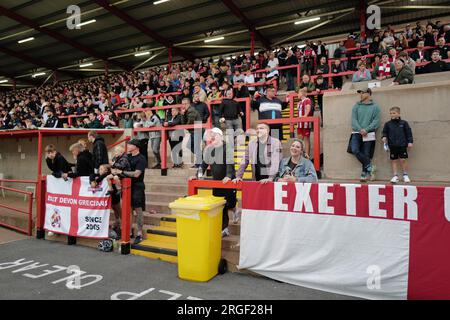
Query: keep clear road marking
x=77, y=278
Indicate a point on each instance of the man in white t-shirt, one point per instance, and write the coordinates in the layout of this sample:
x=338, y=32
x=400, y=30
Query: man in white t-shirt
x=271, y=67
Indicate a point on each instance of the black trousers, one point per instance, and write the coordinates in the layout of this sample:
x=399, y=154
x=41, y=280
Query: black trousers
x=143, y=149
x=231, y=201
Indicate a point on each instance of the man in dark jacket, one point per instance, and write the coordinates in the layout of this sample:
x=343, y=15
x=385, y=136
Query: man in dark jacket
x=230, y=111
x=191, y=116
x=242, y=92
x=404, y=73
x=84, y=166
x=99, y=150
x=52, y=120
x=57, y=164
x=216, y=157
x=201, y=108
x=436, y=64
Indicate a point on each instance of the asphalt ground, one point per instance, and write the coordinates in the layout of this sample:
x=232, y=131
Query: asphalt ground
x=47, y=270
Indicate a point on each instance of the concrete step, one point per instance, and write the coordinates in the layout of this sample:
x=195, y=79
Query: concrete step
x=231, y=243
x=166, y=180
x=159, y=207
x=171, y=173
x=176, y=188
x=162, y=234
x=156, y=250
x=235, y=229
x=231, y=256
x=162, y=197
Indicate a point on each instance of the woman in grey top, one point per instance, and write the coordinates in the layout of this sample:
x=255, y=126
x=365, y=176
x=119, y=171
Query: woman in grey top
x=296, y=168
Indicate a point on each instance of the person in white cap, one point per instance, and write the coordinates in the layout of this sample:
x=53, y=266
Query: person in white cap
x=221, y=160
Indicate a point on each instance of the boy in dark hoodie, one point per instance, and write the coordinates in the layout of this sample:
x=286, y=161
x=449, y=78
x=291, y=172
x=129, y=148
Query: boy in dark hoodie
x=397, y=136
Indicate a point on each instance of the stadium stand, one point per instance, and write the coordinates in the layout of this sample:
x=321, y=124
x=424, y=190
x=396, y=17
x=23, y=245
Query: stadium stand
x=120, y=104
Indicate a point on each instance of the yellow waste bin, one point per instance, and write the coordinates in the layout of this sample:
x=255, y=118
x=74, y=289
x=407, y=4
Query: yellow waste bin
x=199, y=236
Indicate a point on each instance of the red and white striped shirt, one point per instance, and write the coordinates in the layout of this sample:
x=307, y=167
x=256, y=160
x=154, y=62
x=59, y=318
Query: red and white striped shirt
x=302, y=112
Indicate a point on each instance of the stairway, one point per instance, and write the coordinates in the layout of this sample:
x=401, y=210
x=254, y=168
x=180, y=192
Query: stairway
x=160, y=232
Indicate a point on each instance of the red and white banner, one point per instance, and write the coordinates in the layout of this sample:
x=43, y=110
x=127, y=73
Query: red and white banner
x=369, y=241
x=74, y=208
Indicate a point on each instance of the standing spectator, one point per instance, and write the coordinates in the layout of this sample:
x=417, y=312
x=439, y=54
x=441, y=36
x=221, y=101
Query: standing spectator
x=190, y=116
x=365, y=121
x=305, y=109
x=363, y=74
x=264, y=155
x=321, y=86
x=272, y=66
x=335, y=69
x=404, y=73
x=420, y=55
x=137, y=174
x=270, y=107
x=323, y=68
x=397, y=134
x=429, y=40
x=142, y=136
x=201, y=108
x=230, y=111
x=250, y=78
x=241, y=93
x=341, y=53
x=84, y=165
x=321, y=51
x=56, y=162
x=215, y=156
x=291, y=74
x=176, y=138
x=153, y=120
x=99, y=150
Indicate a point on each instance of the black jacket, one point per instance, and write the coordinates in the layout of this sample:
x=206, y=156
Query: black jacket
x=58, y=166
x=439, y=66
x=202, y=109
x=122, y=163
x=100, y=152
x=398, y=132
x=52, y=122
x=84, y=166
x=229, y=109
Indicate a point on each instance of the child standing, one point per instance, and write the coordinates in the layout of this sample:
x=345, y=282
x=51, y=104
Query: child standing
x=305, y=109
x=397, y=135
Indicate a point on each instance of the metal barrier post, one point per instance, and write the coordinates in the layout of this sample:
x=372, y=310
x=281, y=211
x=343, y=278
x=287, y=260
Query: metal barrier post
x=164, y=152
x=291, y=114
x=40, y=212
x=125, y=246
x=317, y=143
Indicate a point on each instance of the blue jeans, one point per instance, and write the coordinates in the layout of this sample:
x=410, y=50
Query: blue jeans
x=362, y=150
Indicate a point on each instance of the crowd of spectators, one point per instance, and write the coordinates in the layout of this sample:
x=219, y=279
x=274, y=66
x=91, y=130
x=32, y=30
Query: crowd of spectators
x=96, y=100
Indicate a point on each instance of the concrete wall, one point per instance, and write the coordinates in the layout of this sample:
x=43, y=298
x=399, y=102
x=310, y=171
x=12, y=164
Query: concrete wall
x=425, y=106
x=418, y=79
x=19, y=156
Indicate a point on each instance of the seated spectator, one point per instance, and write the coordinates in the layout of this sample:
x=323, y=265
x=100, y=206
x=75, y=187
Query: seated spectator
x=363, y=74
x=296, y=168
x=420, y=55
x=92, y=122
x=404, y=73
x=436, y=64
x=444, y=50
x=307, y=83
x=408, y=61
x=385, y=69
x=52, y=120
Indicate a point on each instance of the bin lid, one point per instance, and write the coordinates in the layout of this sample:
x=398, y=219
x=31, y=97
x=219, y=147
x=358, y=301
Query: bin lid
x=200, y=203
